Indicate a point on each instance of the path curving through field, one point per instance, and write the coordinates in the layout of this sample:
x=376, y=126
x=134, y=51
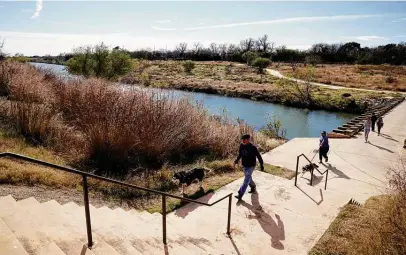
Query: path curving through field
x=278, y=74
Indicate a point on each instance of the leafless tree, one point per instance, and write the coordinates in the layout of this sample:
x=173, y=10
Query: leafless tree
x=213, y=49
x=247, y=44
x=222, y=48
x=181, y=49
x=2, y=54
x=197, y=47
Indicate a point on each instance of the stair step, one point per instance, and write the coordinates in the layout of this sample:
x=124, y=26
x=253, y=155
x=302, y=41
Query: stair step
x=156, y=219
x=25, y=228
x=9, y=245
x=56, y=226
x=105, y=227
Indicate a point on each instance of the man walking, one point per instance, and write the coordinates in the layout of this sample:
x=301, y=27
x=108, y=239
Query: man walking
x=324, y=147
x=249, y=154
x=373, y=121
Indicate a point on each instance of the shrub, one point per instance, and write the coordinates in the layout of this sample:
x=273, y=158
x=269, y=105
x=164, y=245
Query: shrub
x=261, y=64
x=274, y=128
x=390, y=79
x=99, y=61
x=188, y=66
x=249, y=57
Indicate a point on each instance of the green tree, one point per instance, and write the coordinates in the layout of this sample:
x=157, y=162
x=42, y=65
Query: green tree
x=120, y=63
x=249, y=57
x=99, y=61
x=188, y=66
x=82, y=61
x=261, y=64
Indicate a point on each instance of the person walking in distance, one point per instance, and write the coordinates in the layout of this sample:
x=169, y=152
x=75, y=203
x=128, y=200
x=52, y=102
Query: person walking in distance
x=249, y=154
x=367, y=128
x=324, y=147
x=373, y=121
x=379, y=124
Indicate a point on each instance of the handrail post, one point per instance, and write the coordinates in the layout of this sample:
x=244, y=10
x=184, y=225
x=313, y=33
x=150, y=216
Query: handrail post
x=164, y=219
x=87, y=212
x=297, y=169
x=230, y=198
x=325, y=185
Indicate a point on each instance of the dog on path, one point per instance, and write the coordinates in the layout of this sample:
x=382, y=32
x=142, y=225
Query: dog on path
x=186, y=178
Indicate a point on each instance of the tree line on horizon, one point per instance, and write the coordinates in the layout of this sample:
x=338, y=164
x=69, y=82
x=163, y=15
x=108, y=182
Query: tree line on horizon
x=320, y=53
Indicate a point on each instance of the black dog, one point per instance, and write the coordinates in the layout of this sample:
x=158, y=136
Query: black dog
x=187, y=177
x=309, y=167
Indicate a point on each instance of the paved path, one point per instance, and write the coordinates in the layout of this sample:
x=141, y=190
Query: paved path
x=284, y=219
x=281, y=76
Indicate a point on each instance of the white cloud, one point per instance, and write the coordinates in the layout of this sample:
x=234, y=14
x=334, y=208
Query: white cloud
x=1, y=6
x=163, y=28
x=26, y=10
x=38, y=8
x=163, y=21
x=366, y=38
x=399, y=20
x=400, y=36
x=287, y=20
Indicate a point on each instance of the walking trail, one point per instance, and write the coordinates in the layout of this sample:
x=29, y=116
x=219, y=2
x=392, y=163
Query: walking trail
x=278, y=74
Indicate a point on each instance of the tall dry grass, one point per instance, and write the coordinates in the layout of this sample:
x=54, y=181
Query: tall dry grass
x=377, y=227
x=112, y=127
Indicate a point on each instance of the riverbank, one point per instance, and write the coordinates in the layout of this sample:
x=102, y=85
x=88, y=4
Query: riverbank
x=241, y=81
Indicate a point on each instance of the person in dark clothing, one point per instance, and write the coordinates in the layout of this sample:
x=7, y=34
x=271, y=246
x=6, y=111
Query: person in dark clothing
x=249, y=154
x=324, y=147
x=373, y=120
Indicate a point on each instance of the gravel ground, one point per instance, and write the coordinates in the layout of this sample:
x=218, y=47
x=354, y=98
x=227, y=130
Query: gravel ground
x=62, y=196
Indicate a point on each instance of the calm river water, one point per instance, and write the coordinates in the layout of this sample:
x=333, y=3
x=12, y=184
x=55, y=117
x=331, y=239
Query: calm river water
x=298, y=122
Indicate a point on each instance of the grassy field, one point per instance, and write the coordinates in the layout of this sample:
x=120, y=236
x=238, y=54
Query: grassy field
x=376, y=77
x=238, y=80
x=370, y=229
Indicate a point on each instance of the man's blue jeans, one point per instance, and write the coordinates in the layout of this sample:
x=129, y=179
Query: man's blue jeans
x=247, y=180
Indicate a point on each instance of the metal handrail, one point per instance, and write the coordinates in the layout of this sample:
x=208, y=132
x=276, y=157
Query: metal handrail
x=311, y=178
x=86, y=193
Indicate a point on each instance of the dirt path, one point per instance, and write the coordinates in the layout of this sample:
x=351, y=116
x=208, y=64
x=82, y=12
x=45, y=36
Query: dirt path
x=278, y=74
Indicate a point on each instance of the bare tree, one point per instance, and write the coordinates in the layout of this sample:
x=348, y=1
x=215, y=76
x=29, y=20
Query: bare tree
x=223, y=50
x=197, y=47
x=247, y=44
x=181, y=49
x=262, y=43
x=2, y=54
x=213, y=49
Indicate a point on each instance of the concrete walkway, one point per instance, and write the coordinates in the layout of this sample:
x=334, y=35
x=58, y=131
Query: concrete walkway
x=284, y=219
x=278, y=74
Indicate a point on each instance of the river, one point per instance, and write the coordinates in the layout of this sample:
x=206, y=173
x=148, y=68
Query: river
x=298, y=122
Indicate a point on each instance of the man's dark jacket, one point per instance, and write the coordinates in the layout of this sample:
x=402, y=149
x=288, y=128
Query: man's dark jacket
x=248, y=153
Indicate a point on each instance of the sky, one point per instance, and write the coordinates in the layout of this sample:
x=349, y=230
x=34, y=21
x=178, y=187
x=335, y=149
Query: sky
x=51, y=27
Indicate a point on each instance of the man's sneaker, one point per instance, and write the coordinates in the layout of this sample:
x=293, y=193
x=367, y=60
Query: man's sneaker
x=326, y=159
x=254, y=190
x=239, y=198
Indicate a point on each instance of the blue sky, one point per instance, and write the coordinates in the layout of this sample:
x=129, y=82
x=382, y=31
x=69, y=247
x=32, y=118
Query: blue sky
x=46, y=27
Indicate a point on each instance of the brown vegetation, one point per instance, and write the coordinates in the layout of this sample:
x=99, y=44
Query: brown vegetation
x=238, y=80
x=378, y=227
x=374, y=77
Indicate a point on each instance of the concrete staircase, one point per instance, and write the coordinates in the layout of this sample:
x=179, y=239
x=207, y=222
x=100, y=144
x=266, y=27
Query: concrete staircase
x=30, y=227
x=280, y=219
